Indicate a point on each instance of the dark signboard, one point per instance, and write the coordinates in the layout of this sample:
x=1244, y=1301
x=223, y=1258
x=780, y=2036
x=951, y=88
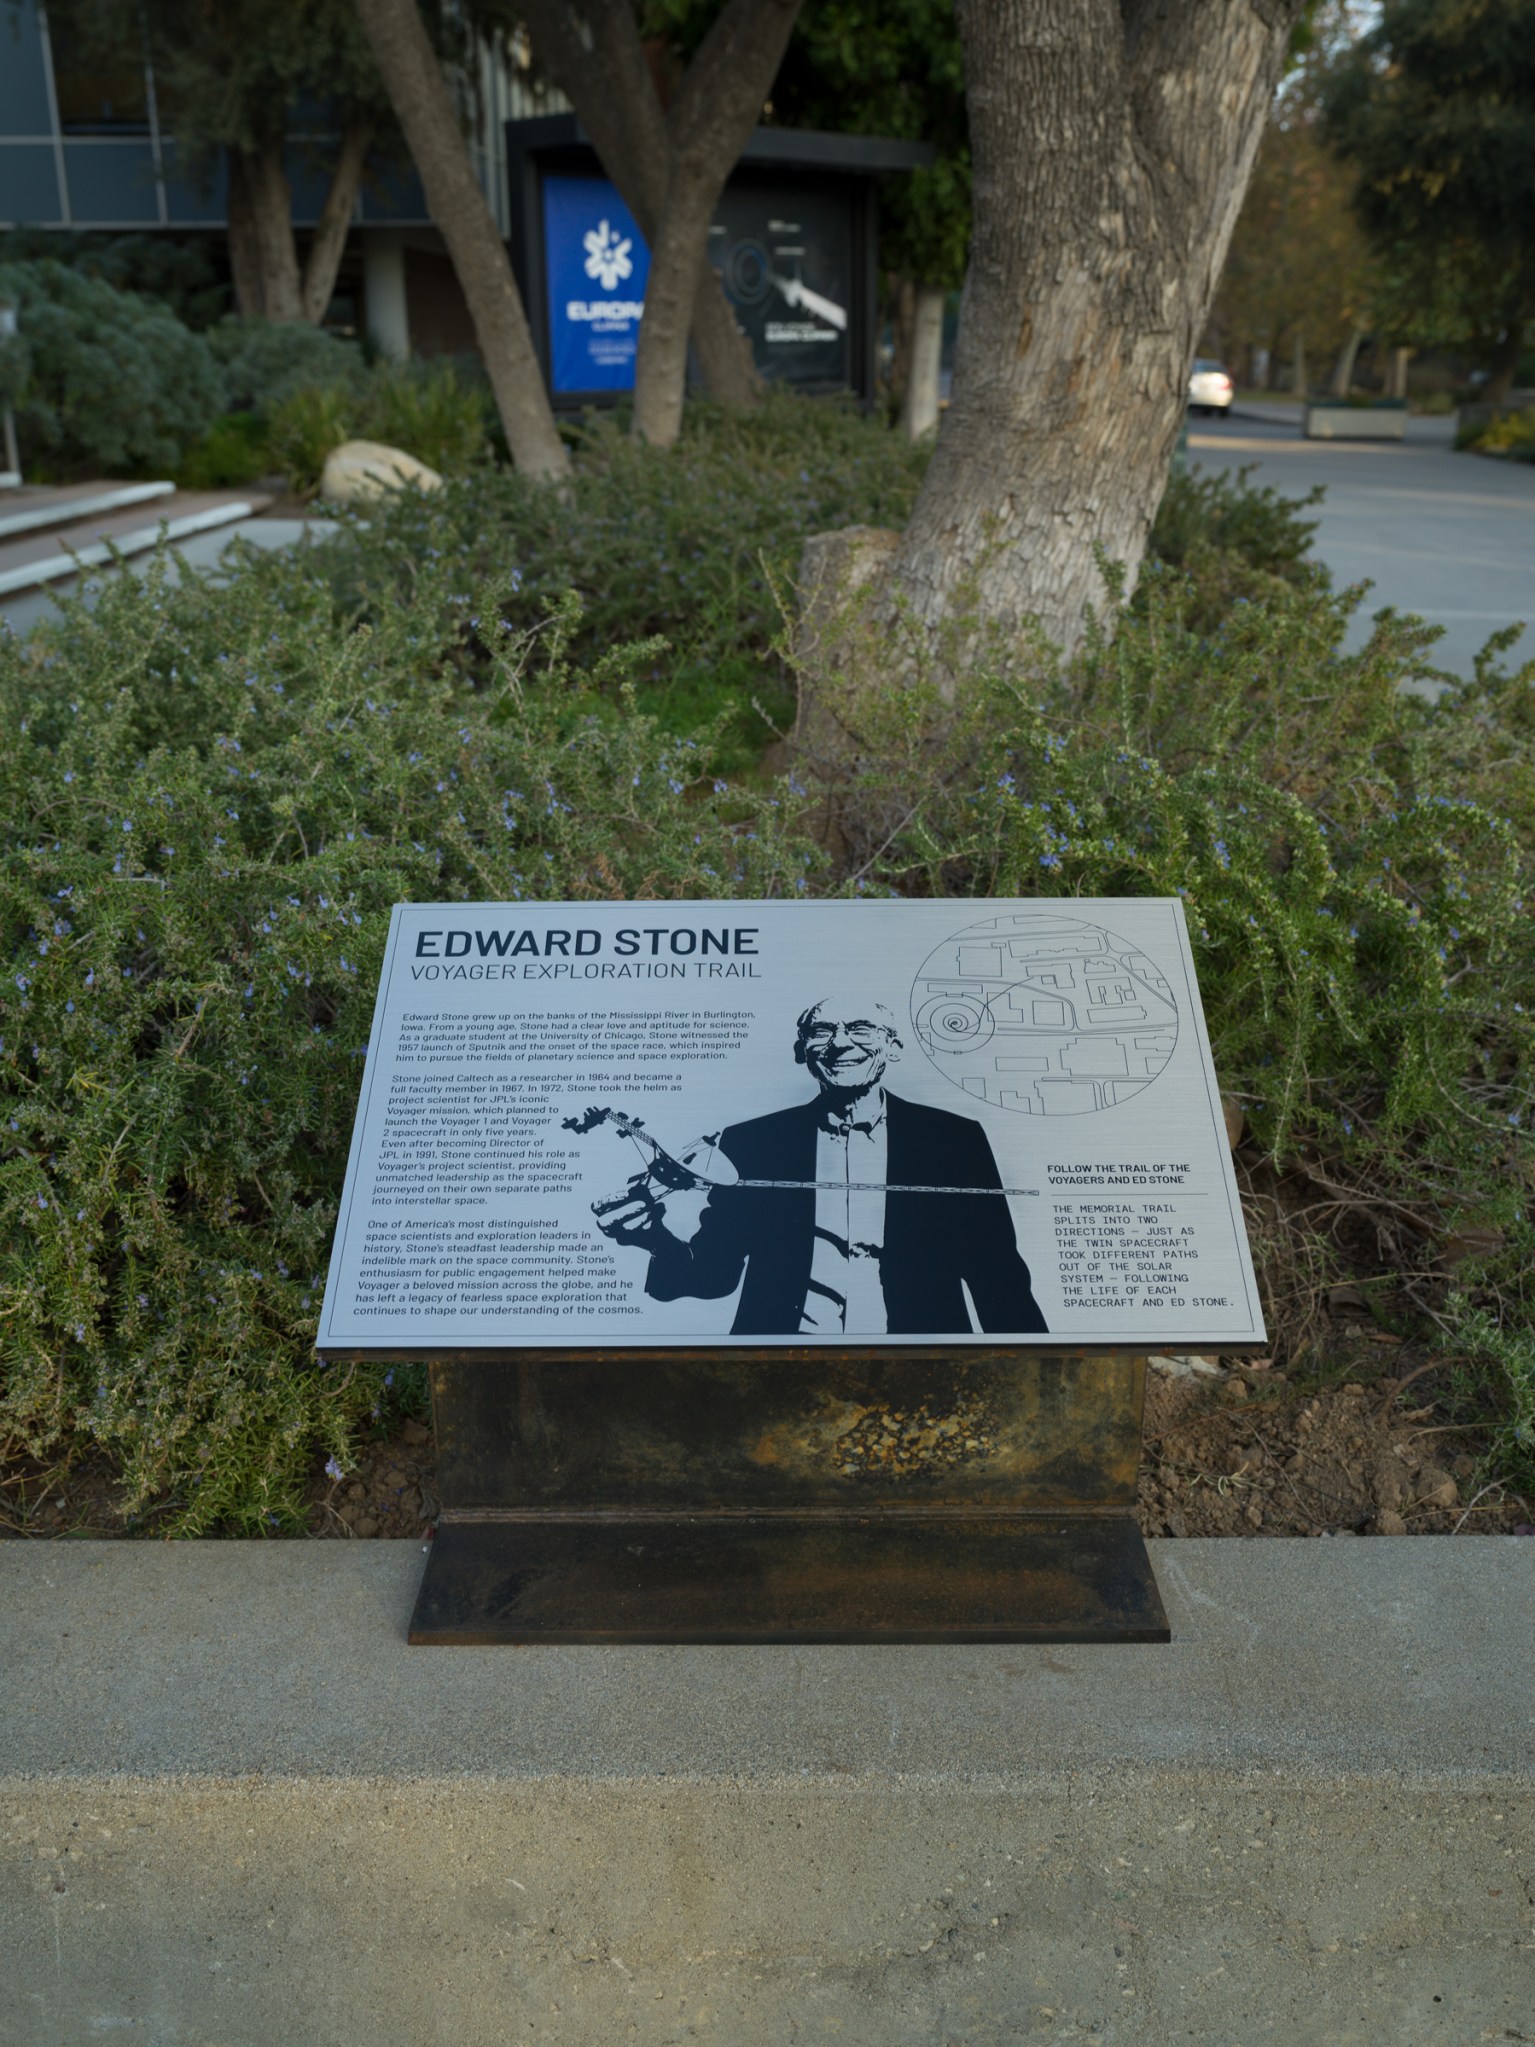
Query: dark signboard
x=785, y=256
x=793, y=240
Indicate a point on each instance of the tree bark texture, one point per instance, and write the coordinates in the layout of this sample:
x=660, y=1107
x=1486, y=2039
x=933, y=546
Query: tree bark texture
x=708, y=124
x=244, y=256
x=1343, y=369
x=670, y=165
x=1112, y=142
x=919, y=401
x=1299, y=380
x=424, y=106
x=263, y=255
x=902, y=315
x=325, y=251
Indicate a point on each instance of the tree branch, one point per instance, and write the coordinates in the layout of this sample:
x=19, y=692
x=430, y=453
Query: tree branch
x=330, y=236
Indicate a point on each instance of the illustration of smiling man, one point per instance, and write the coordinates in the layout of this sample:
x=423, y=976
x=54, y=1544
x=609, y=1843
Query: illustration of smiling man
x=846, y=1214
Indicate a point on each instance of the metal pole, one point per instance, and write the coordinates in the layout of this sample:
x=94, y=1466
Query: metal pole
x=11, y=476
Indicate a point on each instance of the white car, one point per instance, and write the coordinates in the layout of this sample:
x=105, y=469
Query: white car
x=1210, y=389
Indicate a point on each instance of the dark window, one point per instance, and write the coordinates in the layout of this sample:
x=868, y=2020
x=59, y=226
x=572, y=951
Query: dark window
x=100, y=99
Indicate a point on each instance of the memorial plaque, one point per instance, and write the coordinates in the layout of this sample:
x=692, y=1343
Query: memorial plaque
x=763, y=1123
x=765, y=1220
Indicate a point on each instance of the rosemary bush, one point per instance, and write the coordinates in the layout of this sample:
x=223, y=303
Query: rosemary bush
x=690, y=545
x=212, y=798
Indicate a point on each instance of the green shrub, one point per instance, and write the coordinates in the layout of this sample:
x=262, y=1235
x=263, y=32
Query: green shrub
x=212, y=798
x=1355, y=865
x=101, y=378
x=1505, y=433
x=215, y=793
x=697, y=544
x=687, y=544
x=265, y=364
x=1235, y=542
x=233, y=451
x=304, y=429
x=430, y=410
x=180, y=275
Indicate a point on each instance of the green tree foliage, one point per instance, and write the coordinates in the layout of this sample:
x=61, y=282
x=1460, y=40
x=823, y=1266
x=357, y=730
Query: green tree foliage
x=1300, y=263
x=876, y=67
x=1436, y=111
x=249, y=83
x=892, y=67
x=102, y=378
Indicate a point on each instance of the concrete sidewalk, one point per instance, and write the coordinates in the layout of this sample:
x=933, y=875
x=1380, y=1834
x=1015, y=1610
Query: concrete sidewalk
x=237, y=1811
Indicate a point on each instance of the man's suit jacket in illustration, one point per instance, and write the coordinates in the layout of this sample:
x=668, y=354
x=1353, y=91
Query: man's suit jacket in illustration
x=932, y=1244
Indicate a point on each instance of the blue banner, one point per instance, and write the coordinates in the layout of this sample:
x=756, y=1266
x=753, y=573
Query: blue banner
x=597, y=265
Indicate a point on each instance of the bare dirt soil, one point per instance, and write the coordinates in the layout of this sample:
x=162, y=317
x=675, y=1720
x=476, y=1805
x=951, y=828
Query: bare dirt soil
x=1249, y=1454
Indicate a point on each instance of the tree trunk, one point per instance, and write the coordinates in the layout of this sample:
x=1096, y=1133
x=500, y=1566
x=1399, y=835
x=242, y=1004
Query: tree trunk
x=661, y=359
x=677, y=159
x=1299, y=382
x=1396, y=373
x=724, y=353
x=424, y=106
x=1343, y=369
x=610, y=82
x=919, y=403
x=330, y=236
x=262, y=252
x=244, y=255
x=708, y=124
x=1123, y=133
x=1505, y=363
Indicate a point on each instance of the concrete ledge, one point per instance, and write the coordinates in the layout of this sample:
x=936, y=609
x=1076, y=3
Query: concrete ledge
x=236, y=1811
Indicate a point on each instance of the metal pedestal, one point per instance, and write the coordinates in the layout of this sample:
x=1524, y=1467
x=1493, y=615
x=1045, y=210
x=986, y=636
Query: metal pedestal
x=789, y=1495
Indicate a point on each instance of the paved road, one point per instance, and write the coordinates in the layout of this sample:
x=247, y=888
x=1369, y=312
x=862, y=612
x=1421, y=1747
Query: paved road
x=1449, y=536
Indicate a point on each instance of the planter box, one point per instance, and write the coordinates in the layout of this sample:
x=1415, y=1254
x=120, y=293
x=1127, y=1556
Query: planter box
x=1356, y=422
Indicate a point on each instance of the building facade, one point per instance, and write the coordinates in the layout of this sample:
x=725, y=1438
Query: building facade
x=83, y=151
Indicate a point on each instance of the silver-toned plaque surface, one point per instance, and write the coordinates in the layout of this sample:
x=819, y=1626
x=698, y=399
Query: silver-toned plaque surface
x=596, y=1124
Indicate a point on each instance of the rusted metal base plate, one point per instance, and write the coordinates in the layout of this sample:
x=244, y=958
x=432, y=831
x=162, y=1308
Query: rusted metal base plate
x=788, y=1579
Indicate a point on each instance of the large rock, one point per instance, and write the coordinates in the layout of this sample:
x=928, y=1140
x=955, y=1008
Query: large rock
x=359, y=471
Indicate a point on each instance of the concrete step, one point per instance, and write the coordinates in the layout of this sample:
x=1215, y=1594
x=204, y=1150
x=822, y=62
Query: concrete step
x=63, y=549
x=203, y=550
x=235, y=1807
x=47, y=506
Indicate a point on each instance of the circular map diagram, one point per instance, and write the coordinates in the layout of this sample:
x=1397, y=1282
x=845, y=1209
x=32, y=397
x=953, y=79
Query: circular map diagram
x=1044, y=1014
